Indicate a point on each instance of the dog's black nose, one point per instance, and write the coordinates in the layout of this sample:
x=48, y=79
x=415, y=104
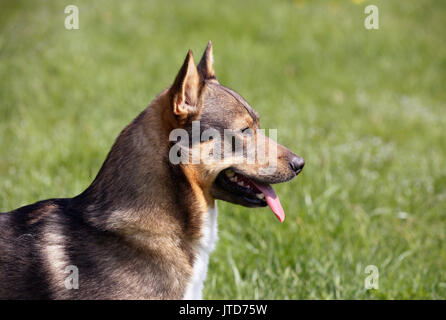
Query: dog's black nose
x=297, y=164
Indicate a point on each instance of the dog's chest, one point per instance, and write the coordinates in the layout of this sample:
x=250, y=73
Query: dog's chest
x=206, y=246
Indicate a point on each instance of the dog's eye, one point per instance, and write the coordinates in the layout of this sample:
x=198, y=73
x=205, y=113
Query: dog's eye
x=246, y=131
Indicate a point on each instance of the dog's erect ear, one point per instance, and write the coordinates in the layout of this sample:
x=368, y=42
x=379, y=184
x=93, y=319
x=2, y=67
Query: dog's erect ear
x=205, y=68
x=186, y=88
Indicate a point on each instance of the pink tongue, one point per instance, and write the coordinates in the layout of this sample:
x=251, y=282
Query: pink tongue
x=272, y=199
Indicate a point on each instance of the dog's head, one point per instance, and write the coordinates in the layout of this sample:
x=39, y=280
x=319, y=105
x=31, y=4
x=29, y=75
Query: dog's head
x=218, y=141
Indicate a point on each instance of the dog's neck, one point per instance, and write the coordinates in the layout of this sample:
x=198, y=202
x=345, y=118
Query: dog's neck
x=138, y=188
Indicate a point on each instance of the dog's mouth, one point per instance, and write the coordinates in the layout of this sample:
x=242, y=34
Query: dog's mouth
x=237, y=188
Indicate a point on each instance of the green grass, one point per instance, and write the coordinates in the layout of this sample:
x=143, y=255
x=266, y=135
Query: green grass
x=366, y=109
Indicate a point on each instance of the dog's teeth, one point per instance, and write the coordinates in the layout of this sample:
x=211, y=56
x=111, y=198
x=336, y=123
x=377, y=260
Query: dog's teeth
x=233, y=179
x=260, y=195
x=241, y=183
x=230, y=173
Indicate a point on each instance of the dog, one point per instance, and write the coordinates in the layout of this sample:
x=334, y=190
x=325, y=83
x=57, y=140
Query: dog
x=145, y=227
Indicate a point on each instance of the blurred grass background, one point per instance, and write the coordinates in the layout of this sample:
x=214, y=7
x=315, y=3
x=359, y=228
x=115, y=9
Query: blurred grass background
x=365, y=108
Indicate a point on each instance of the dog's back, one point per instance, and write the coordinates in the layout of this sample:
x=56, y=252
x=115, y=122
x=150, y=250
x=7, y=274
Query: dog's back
x=22, y=267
